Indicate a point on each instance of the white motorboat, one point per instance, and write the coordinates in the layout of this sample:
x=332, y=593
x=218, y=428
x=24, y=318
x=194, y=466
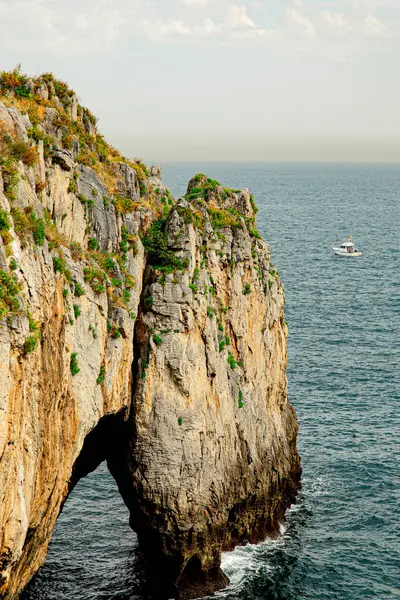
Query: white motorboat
x=346, y=249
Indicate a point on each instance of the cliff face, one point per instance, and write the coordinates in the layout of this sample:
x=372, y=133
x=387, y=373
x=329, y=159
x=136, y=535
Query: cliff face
x=211, y=434
x=138, y=330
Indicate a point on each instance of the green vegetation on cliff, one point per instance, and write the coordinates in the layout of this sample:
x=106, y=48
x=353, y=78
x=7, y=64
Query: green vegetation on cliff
x=9, y=290
x=209, y=194
x=63, y=132
x=77, y=131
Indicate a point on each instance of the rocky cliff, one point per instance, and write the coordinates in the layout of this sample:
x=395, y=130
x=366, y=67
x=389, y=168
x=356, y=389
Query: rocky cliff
x=139, y=330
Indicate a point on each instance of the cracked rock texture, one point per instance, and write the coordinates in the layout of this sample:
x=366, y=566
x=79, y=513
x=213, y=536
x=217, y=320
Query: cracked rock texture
x=211, y=433
x=45, y=412
x=181, y=381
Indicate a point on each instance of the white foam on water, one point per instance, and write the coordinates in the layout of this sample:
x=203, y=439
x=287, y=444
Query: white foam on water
x=319, y=486
x=282, y=528
x=246, y=560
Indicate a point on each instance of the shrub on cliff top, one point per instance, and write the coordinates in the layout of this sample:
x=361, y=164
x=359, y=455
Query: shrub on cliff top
x=61, y=88
x=203, y=191
x=142, y=174
x=225, y=218
x=89, y=116
x=253, y=204
x=14, y=81
x=201, y=186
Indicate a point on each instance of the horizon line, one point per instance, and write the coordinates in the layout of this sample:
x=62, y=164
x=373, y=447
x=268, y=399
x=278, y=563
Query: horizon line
x=278, y=162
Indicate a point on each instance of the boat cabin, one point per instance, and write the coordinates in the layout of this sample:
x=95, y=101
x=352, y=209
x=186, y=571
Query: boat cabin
x=347, y=247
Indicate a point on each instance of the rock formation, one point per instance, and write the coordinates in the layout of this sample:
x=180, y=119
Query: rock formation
x=139, y=330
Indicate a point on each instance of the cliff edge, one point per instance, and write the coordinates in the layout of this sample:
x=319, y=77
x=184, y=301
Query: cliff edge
x=136, y=329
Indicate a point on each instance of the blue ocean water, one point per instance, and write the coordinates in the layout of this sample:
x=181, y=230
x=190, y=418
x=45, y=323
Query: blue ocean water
x=341, y=541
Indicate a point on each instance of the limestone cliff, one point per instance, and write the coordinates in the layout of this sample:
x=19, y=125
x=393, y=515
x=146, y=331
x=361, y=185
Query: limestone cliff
x=136, y=329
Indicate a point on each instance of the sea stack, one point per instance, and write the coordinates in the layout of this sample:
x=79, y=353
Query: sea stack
x=137, y=329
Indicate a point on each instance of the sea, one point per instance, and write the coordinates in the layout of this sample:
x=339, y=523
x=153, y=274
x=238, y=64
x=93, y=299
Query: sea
x=341, y=540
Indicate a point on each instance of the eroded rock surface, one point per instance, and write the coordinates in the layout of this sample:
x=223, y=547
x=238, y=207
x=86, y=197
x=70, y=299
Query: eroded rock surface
x=167, y=358
x=211, y=433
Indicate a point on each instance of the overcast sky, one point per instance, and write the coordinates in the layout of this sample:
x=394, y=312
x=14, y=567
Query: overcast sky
x=220, y=79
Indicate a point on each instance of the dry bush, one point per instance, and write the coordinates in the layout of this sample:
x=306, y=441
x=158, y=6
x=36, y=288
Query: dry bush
x=118, y=301
x=54, y=236
x=30, y=156
x=39, y=187
x=76, y=250
x=6, y=139
x=33, y=107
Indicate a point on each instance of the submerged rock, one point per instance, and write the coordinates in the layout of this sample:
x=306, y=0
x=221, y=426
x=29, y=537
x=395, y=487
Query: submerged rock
x=138, y=330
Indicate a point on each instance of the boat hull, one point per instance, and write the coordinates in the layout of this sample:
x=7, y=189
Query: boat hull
x=347, y=254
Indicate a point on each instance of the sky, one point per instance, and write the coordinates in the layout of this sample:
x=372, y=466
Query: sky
x=220, y=80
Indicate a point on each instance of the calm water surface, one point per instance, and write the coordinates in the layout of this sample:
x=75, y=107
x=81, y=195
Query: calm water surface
x=341, y=540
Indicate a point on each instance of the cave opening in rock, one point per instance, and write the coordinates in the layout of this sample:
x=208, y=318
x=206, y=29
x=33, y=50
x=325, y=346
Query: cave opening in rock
x=94, y=552
x=97, y=446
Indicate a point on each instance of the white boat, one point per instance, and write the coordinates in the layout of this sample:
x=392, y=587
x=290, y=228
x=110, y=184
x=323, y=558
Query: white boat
x=346, y=249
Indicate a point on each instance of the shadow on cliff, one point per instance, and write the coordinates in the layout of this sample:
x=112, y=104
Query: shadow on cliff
x=144, y=574
x=147, y=575
x=98, y=446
